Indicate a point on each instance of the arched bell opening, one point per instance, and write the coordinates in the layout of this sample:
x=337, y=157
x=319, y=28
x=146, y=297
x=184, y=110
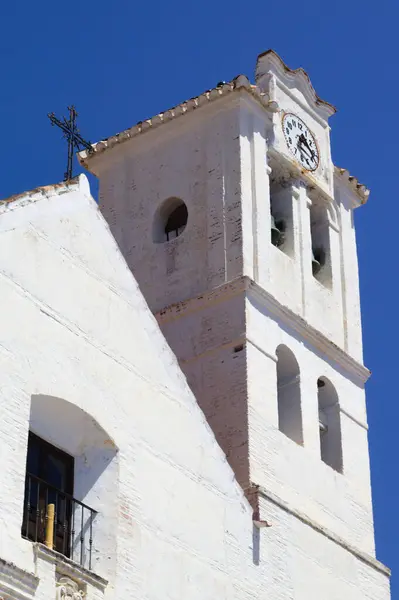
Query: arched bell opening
x=289, y=395
x=329, y=424
x=320, y=243
x=281, y=222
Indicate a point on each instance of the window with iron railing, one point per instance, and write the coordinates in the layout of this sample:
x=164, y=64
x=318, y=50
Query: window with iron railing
x=52, y=515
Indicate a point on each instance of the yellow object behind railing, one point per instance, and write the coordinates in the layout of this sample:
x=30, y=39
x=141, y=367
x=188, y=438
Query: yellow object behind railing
x=50, y=526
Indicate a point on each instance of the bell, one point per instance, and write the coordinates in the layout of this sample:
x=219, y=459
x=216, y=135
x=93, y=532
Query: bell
x=277, y=234
x=316, y=266
x=323, y=422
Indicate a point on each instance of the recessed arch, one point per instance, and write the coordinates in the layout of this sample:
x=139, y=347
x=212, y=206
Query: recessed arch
x=66, y=425
x=329, y=424
x=289, y=394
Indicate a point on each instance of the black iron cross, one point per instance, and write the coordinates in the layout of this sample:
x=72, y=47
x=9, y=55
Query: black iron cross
x=72, y=135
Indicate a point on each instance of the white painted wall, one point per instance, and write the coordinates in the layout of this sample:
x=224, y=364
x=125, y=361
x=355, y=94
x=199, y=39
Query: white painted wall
x=340, y=502
x=289, y=278
x=196, y=160
x=238, y=393
x=84, y=364
x=215, y=159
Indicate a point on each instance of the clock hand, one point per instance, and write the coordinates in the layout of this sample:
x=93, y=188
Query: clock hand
x=301, y=146
x=305, y=155
x=306, y=152
x=303, y=141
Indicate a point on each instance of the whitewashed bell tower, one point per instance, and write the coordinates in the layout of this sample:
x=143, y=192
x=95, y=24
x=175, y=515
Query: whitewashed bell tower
x=239, y=230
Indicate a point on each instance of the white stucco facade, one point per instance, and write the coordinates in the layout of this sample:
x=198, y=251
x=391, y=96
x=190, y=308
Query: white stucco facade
x=85, y=367
x=222, y=440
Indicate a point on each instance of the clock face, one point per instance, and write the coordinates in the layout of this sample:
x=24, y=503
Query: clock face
x=301, y=141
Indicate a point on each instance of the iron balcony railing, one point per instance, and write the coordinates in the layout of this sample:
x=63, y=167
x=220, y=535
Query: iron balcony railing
x=58, y=520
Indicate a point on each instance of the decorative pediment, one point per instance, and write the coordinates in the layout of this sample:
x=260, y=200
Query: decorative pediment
x=270, y=64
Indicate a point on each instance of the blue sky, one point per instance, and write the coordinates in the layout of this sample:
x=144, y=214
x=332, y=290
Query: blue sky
x=120, y=62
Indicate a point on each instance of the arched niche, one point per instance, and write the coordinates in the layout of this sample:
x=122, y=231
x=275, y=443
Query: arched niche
x=289, y=395
x=329, y=424
x=320, y=241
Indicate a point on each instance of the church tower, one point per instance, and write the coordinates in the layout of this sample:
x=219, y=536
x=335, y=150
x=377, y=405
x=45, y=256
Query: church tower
x=239, y=230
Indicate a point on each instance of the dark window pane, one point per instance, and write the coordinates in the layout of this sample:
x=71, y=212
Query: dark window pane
x=49, y=476
x=33, y=461
x=52, y=465
x=56, y=472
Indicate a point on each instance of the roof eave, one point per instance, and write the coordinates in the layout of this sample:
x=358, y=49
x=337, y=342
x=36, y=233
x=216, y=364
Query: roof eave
x=359, y=189
x=241, y=82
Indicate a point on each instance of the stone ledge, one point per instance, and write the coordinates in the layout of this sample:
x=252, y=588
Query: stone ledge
x=314, y=337
x=66, y=566
x=219, y=294
x=366, y=558
x=244, y=284
x=15, y=582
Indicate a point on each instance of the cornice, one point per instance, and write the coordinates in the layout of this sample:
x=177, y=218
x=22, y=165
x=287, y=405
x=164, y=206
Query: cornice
x=16, y=583
x=280, y=312
x=309, y=333
x=180, y=309
x=241, y=82
x=353, y=184
x=68, y=567
x=366, y=558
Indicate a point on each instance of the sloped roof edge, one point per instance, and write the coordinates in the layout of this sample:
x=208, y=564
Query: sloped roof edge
x=46, y=191
x=221, y=90
x=359, y=188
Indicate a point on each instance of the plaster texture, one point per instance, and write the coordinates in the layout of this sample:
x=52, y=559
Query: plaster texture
x=86, y=367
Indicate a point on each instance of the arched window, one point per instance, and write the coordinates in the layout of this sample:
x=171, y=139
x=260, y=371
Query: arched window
x=329, y=424
x=170, y=220
x=71, y=477
x=289, y=395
